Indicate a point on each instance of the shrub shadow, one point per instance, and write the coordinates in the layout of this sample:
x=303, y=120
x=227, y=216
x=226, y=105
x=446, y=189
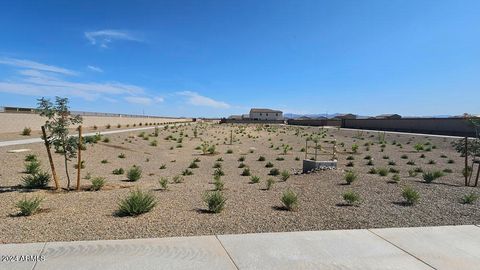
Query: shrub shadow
x=279, y=208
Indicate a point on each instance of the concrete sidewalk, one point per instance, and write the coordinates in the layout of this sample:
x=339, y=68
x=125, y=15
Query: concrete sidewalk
x=447, y=247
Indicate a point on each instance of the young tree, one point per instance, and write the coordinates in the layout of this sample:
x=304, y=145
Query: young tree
x=57, y=125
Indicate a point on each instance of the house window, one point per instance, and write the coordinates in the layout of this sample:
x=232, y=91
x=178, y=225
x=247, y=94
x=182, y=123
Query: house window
x=267, y=114
x=260, y=114
x=276, y=114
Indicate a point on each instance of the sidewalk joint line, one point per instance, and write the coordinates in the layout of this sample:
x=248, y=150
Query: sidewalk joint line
x=226, y=251
x=391, y=243
x=39, y=254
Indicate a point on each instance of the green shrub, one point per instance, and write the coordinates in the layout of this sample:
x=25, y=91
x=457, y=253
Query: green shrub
x=229, y=151
x=241, y=159
x=284, y=175
x=37, y=180
x=163, y=183
x=274, y=172
x=218, y=183
x=351, y=197
x=193, y=165
x=26, y=131
x=431, y=176
x=219, y=172
x=136, y=203
x=29, y=206
x=32, y=167
x=98, y=183
x=187, y=172
x=261, y=158
x=350, y=158
x=241, y=165
x=350, y=164
x=163, y=166
x=269, y=165
x=270, y=183
x=290, y=199
x=350, y=177
x=382, y=171
x=178, y=179
x=411, y=162
x=396, y=178
x=372, y=171
x=392, y=163
x=354, y=148
x=246, y=172
x=255, y=179
x=412, y=173
x=215, y=201
x=31, y=157
x=469, y=198
x=134, y=174
x=410, y=195
x=154, y=143
x=106, y=140
x=122, y=155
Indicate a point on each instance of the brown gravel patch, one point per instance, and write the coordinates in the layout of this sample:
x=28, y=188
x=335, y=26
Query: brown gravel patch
x=89, y=215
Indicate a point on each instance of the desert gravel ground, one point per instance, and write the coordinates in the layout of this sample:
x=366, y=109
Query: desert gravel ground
x=88, y=215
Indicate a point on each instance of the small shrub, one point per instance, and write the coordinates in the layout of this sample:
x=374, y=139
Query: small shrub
x=270, y=183
x=274, y=172
x=261, y=158
x=215, y=201
x=393, y=170
x=350, y=177
x=218, y=172
x=193, y=165
x=241, y=159
x=412, y=173
x=351, y=197
x=269, y=165
x=382, y=171
x=255, y=179
x=431, y=161
x=187, y=172
x=136, y=203
x=217, y=165
x=284, y=175
x=106, y=140
x=229, y=151
x=404, y=156
x=354, y=148
x=396, y=178
x=241, y=165
x=104, y=161
x=392, y=163
x=410, y=195
x=368, y=157
x=447, y=170
x=32, y=167
x=26, y=131
x=350, y=158
x=97, y=183
x=372, y=171
x=134, y=174
x=122, y=155
x=163, y=183
x=350, y=164
x=118, y=171
x=37, y=180
x=290, y=199
x=163, y=167
x=29, y=206
x=429, y=177
x=411, y=162
x=154, y=143
x=218, y=183
x=178, y=179
x=30, y=158
x=246, y=172
x=469, y=198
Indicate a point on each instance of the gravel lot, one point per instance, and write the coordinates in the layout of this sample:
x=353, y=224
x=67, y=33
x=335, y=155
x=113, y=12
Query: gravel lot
x=88, y=215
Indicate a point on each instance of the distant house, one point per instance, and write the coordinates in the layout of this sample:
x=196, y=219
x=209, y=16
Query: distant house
x=388, y=116
x=236, y=117
x=265, y=114
x=345, y=116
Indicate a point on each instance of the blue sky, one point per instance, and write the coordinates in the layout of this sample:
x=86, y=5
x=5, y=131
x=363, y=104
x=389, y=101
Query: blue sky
x=216, y=58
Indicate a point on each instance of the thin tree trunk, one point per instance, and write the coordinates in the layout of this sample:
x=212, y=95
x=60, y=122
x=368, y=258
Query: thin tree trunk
x=466, y=161
x=50, y=159
x=66, y=167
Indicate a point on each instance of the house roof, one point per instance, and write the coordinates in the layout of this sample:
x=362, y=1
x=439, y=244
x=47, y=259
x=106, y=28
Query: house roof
x=257, y=110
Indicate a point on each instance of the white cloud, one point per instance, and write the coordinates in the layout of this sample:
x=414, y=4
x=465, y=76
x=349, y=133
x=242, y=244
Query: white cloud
x=46, y=80
x=94, y=68
x=104, y=37
x=144, y=100
x=194, y=98
x=35, y=66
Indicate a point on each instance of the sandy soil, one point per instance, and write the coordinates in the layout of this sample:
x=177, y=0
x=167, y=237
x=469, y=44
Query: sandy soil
x=180, y=211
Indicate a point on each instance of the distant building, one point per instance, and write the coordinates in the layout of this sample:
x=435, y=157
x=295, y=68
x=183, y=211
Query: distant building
x=236, y=117
x=345, y=116
x=265, y=114
x=388, y=116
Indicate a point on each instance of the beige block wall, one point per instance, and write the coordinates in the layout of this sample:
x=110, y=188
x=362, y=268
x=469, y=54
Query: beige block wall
x=15, y=122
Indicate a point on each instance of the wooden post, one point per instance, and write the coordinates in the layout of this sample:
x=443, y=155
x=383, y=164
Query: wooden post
x=334, y=157
x=50, y=159
x=231, y=137
x=466, y=161
x=79, y=164
x=306, y=148
x=316, y=147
